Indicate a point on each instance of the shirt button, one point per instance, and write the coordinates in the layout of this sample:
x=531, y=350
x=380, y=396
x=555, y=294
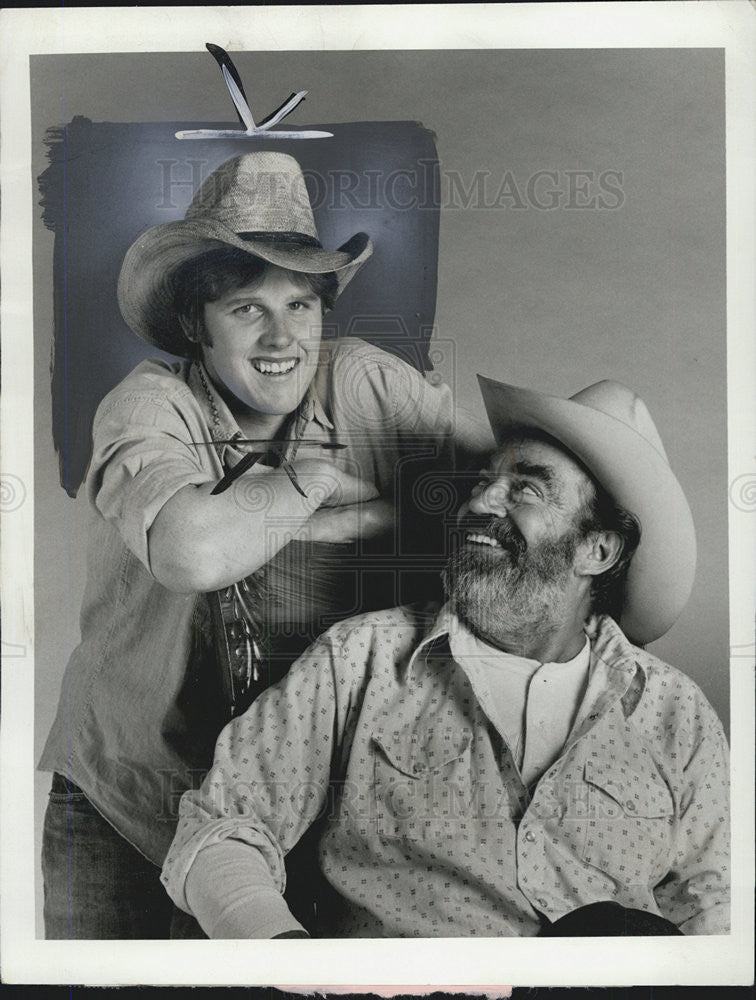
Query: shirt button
x=530, y=836
x=630, y=806
x=542, y=902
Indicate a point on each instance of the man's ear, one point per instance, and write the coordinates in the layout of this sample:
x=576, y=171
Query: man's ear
x=599, y=552
x=188, y=330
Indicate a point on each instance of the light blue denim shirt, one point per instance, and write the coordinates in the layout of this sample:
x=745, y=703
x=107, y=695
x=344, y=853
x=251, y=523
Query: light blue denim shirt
x=139, y=712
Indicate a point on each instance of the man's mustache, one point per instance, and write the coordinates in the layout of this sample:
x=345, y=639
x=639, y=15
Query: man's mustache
x=500, y=529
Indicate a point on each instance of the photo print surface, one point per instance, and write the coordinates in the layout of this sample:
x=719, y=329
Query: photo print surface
x=547, y=218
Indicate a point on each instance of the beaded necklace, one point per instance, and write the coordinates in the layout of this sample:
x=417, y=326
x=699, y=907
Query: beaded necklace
x=215, y=432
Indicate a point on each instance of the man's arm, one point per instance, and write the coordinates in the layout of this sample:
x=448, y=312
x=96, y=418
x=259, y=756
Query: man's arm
x=696, y=894
x=349, y=522
x=233, y=897
x=436, y=442
x=200, y=542
x=268, y=784
x=427, y=410
x=154, y=485
x=378, y=389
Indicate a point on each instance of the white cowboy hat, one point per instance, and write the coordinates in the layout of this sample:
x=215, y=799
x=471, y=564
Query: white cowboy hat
x=608, y=427
x=258, y=203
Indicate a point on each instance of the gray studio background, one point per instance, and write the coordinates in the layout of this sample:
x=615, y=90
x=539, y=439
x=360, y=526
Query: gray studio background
x=549, y=298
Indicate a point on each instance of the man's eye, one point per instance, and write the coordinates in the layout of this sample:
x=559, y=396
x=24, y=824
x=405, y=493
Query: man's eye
x=297, y=306
x=246, y=309
x=528, y=490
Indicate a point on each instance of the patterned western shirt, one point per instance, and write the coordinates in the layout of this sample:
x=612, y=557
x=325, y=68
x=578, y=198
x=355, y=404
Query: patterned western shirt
x=380, y=735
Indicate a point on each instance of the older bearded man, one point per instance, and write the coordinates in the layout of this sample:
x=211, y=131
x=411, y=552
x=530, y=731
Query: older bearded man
x=511, y=578
x=512, y=765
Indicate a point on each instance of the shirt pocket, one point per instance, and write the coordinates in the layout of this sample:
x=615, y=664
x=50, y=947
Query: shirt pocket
x=631, y=821
x=422, y=783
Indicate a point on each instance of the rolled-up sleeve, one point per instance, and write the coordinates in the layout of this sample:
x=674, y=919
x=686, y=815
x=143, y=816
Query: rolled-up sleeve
x=271, y=773
x=142, y=455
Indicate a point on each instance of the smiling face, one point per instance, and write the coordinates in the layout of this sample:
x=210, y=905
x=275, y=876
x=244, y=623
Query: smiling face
x=531, y=492
x=261, y=346
x=513, y=576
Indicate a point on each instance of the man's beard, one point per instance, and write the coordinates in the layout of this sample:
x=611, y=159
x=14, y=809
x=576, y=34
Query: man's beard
x=508, y=596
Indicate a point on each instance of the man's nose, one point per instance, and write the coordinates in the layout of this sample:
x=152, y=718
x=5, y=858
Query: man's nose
x=491, y=499
x=278, y=331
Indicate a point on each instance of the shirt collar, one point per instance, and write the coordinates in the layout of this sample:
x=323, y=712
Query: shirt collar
x=610, y=651
x=313, y=408
x=318, y=393
x=466, y=647
x=614, y=654
x=447, y=625
x=443, y=625
x=225, y=428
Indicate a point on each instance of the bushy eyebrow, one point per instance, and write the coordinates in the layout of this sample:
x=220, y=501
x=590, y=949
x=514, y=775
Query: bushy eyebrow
x=543, y=472
x=531, y=470
x=240, y=296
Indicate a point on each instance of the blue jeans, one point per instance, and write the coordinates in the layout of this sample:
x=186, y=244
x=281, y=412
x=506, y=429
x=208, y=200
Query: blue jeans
x=96, y=884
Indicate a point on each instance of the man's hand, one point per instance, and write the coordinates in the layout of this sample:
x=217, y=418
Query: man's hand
x=331, y=485
x=350, y=522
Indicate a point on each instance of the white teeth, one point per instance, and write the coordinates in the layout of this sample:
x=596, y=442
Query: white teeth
x=274, y=367
x=483, y=540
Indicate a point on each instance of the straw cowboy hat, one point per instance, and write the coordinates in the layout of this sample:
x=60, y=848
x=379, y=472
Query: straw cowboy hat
x=610, y=430
x=258, y=203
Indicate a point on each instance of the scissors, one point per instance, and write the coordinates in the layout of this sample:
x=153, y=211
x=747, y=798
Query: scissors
x=261, y=131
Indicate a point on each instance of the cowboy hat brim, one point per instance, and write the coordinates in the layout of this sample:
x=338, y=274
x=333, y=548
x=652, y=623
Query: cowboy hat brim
x=145, y=295
x=638, y=477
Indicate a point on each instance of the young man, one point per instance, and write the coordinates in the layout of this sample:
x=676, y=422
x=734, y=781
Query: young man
x=182, y=569
x=511, y=761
